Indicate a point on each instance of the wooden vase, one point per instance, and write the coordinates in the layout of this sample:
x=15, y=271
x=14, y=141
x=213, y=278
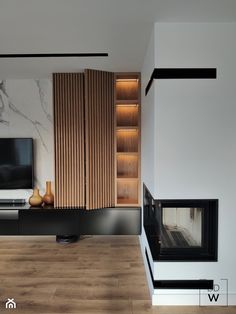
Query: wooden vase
x=36, y=199
x=48, y=197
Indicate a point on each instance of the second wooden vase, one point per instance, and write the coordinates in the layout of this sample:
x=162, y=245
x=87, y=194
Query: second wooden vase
x=48, y=197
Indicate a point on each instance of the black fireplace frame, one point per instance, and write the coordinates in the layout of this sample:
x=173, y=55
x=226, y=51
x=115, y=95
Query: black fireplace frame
x=152, y=211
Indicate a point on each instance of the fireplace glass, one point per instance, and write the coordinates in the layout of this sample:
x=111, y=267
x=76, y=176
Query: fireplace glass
x=182, y=229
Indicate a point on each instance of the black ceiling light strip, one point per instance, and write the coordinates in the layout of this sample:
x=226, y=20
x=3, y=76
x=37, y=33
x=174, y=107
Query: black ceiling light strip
x=52, y=55
x=179, y=284
x=181, y=73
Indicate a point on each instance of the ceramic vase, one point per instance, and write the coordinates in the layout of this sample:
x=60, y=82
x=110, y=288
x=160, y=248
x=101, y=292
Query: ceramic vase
x=48, y=197
x=36, y=199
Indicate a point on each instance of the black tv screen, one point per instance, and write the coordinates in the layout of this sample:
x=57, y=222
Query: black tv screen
x=16, y=163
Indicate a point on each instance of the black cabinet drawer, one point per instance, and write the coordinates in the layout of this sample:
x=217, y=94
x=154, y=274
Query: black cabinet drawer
x=9, y=227
x=48, y=222
x=110, y=221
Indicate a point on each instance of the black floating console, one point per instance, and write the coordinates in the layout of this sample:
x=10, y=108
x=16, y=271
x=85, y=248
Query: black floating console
x=66, y=222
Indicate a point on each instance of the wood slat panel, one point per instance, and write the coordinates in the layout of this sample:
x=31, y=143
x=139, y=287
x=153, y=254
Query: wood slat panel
x=99, y=117
x=69, y=134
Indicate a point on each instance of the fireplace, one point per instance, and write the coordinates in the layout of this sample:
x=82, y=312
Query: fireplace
x=182, y=229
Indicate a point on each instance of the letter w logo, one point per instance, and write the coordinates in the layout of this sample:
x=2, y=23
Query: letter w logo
x=213, y=297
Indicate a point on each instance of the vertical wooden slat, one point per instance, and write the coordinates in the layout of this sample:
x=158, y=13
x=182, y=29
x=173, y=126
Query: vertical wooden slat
x=68, y=94
x=99, y=117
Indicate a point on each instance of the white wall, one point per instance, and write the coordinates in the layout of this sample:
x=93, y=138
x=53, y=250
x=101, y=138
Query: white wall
x=147, y=138
x=195, y=131
x=26, y=111
x=148, y=144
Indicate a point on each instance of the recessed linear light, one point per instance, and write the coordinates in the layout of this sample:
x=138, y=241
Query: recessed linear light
x=127, y=105
x=127, y=80
x=127, y=129
x=53, y=55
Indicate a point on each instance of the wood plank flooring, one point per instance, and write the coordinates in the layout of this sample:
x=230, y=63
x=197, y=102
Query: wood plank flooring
x=96, y=275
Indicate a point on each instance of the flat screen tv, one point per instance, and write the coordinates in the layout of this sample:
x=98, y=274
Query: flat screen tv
x=16, y=163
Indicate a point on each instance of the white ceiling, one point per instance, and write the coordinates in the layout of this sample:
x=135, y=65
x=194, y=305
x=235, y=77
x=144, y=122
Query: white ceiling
x=119, y=27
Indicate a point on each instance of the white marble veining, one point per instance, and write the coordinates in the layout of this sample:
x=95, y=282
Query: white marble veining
x=26, y=111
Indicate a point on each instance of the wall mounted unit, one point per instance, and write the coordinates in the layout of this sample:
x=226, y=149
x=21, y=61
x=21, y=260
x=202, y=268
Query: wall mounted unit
x=97, y=139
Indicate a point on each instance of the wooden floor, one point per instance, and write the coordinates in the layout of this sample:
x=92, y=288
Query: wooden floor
x=95, y=275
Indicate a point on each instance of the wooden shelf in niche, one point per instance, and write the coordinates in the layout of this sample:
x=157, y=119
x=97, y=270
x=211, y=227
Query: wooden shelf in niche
x=127, y=102
x=127, y=166
x=127, y=191
x=127, y=115
x=127, y=88
x=127, y=128
x=127, y=202
x=127, y=140
x=125, y=153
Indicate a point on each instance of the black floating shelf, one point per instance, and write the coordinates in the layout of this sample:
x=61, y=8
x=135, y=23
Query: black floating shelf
x=179, y=284
x=181, y=73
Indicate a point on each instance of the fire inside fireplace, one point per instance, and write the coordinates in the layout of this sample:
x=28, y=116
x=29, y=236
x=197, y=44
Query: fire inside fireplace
x=181, y=229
